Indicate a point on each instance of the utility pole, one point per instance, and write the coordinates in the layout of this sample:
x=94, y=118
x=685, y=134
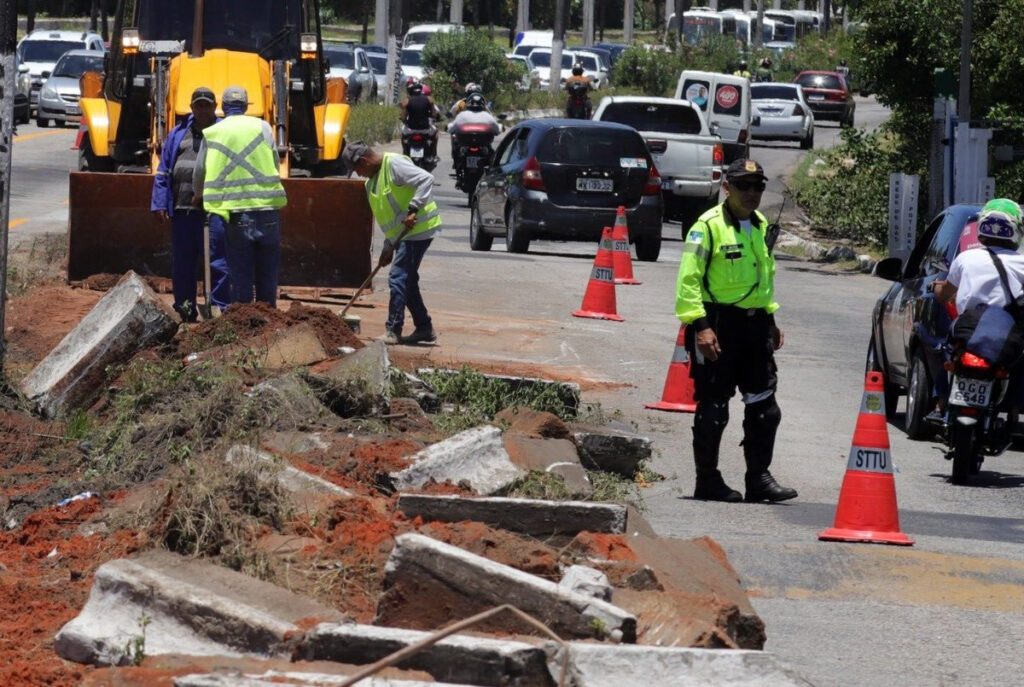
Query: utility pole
x=455, y=16
x=627, y=21
x=963, y=109
x=760, y=23
x=826, y=11
x=8, y=74
x=588, y=22
x=558, y=41
x=523, y=16
x=380, y=22
x=394, y=49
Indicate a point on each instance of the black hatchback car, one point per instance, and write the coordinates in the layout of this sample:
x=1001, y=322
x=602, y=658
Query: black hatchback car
x=564, y=179
x=907, y=322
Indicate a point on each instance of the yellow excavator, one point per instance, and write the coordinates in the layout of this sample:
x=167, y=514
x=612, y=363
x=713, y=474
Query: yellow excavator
x=161, y=50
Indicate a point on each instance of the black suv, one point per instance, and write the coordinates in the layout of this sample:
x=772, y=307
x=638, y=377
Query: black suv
x=564, y=179
x=907, y=321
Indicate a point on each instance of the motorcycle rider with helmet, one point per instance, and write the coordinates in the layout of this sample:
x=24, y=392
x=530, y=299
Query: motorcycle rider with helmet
x=418, y=113
x=578, y=105
x=742, y=69
x=764, y=72
x=474, y=126
x=460, y=104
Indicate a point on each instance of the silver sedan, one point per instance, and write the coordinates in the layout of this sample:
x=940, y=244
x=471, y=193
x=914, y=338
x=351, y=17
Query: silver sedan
x=783, y=114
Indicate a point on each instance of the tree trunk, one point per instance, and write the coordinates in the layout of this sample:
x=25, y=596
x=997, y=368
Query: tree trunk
x=476, y=14
x=94, y=11
x=30, y=19
x=600, y=19
x=440, y=11
x=366, y=22
x=104, y=26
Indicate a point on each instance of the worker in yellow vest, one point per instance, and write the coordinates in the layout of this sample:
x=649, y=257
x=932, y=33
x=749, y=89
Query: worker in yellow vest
x=725, y=294
x=237, y=177
x=400, y=195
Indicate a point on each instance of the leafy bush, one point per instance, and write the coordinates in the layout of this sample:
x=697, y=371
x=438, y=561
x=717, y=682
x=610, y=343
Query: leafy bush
x=458, y=57
x=372, y=123
x=654, y=71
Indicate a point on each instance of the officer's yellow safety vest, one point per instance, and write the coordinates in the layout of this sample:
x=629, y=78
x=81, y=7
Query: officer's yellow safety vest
x=390, y=204
x=722, y=264
x=240, y=170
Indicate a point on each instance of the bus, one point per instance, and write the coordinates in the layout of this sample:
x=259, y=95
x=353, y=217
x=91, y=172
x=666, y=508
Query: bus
x=698, y=24
x=746, y=27
x=792, y=25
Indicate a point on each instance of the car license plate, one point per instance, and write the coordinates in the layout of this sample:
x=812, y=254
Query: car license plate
x=74, y=111
x=812, y=96
x=970, y=392
x=416, y=153
x=584, y=184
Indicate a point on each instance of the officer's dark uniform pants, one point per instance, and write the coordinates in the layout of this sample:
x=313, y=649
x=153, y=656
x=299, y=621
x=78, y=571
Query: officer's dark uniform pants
x=747, y=361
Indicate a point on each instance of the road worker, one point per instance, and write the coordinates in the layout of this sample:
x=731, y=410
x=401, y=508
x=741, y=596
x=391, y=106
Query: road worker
x=725, y=296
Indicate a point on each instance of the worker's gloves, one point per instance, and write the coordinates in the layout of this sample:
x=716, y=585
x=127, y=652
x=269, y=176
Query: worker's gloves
x=386, y=254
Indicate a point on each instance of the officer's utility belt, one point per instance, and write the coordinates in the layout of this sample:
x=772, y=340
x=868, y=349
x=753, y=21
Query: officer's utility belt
x=237, y=214
x=715, y=309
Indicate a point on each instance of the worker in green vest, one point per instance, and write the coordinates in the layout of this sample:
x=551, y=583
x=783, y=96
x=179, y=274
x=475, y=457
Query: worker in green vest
x=400, y=195
x=725, y=294
x=237, y=177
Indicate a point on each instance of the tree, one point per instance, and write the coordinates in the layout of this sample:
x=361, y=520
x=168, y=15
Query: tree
x=458, y=57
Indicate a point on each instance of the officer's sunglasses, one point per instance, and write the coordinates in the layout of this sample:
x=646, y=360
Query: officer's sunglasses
x=748, y=185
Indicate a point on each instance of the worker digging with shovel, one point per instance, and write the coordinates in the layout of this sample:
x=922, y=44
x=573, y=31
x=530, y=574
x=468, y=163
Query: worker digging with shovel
x=400, y=198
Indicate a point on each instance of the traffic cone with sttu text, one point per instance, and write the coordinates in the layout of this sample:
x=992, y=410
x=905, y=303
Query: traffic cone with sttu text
x=599, y=300
x=678, y=394
x=622, y=260
x=867, y=509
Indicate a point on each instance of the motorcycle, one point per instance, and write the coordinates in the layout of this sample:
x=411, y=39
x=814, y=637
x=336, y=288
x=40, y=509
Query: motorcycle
x=471, y=153
x=578, y=106
x=974, y=425
x=417, y=145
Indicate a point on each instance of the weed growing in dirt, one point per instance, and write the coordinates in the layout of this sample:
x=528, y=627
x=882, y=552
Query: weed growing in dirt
x=608, y=486
x=538, y=484
x=42, y=263
x=135, y=649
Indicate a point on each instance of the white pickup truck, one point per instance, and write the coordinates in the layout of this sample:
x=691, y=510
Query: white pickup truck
x=687, y=155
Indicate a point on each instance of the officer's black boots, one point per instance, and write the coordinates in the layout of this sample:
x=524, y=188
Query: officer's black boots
x=708, y=425
x=763, y=487
x=711, y=487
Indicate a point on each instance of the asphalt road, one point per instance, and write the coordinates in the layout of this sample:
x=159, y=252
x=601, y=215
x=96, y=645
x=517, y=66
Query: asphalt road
x=947, y=611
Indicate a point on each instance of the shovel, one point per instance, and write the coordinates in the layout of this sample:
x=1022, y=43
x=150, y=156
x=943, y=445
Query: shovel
x=353, y=321
x=208, y=310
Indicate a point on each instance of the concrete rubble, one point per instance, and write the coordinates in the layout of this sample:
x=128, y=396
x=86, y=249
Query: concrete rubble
x=179, y=605
x=289, y=477
x=476, y=457
x=421, y=568
x=528, y=516
x=611, y=449
x=290, y=347
x=586, y=580
x=552, y=456
x=276, y=678
x=356, y=384
x=458, y=658
x=128, y=319
x=287, y=396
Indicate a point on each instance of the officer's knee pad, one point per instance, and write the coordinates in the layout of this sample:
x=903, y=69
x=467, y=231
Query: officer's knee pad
x=764, y=414
x=714, y=415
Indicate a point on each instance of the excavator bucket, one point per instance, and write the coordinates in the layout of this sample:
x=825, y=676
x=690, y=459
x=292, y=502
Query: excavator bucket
x=326, y=230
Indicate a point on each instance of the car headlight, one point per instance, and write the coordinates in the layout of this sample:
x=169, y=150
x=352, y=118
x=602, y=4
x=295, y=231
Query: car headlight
x=23, y=83
x=48, y=92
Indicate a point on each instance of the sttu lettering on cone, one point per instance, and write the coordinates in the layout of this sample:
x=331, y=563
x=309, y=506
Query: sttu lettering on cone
x=599, y=299
x=867, y=510
x=621, y=257
x=677, y=396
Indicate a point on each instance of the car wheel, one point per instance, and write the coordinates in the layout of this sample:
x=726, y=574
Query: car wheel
x=808, y=142
x=891, y=392
x=648, y=247
x=516, y=240
x=478, y=240
x=919, y=394
x=42, y=123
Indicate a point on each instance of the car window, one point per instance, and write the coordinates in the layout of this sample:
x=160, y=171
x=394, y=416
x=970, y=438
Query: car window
x=46, y=51
x=590, y=146
x=339, y=58
x=76, y=65
x=728, y=100
x=589, y=63
x=669, y=118
x=379, y=62
x=411, y=58
x=504, y=152
x=830, y=81
x=773, y=92
x=944, y=245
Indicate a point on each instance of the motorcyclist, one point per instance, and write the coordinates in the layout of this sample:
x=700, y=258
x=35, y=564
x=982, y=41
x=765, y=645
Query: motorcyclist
x=418, y=113
x=765, y=71
x=475, y=113
x=742, y=69
x=460, y=104
x=578, y=87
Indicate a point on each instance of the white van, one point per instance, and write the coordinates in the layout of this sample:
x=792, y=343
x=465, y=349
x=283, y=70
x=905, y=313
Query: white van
x=528, y=40
x=725, y=101
x=421, y=33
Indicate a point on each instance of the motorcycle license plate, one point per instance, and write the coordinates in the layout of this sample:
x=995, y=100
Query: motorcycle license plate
x=970, y=392
x=416, y=153
x=599, y=185
x=473, y=162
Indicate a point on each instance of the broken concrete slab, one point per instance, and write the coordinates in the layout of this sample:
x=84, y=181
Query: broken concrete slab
x=289, y=477
x=293, y=346
x=611, y=450
x=476, y=457
x=554, y=456
x=533, y=423
x=424, y=394
x=295, y=443
x=568, y=393
x=286, y=401
x=357, y=384
x=602, y=665
x=458, y=658
x=128, y=319
x=586, y=580
x=527, y=516
x=276, y=678
x=437, y=577
x=174, y=604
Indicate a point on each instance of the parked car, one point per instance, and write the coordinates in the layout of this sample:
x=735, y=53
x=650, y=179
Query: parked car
x=22, y=93
x=379, y=65
x=784, y=113
x=412, y=62
x=58, y=98
x=540, y=64
x=564, y=179
x=615, y=49
x=41, y=49
x=420, y=34
x=688, y=157
x=372, y=48
x=605, y=56
x=352, y=64
x=907, y=315
x=828, y=95
x=528, y=79
x=593, y=68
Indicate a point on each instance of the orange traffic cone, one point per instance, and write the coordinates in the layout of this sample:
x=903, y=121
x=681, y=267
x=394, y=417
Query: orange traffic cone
x=78, y=137
x=867, y=509
x=599, y=300
x=678, y=394
x=620, y=250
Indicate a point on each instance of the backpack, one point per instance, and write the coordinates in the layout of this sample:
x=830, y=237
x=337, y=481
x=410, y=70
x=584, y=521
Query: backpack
x=995, y=334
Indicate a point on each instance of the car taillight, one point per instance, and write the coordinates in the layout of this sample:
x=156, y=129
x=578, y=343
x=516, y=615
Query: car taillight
x=973, y=361
x=531, y=175
x=718, y=156
x=840, y=96
x=653, y=185
x=798, y=111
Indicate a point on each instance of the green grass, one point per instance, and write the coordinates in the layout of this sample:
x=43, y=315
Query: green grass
x=372, y=123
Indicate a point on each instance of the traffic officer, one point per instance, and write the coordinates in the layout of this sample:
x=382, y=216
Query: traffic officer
x=725, y=296
x=237, y=177
x=400, y=199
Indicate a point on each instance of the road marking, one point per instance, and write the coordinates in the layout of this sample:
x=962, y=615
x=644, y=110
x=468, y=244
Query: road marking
x=29, y=137
x=16, y=222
